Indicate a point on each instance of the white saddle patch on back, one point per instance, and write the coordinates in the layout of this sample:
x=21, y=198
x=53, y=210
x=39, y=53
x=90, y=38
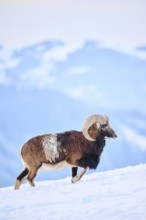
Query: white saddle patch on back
x=50, y=145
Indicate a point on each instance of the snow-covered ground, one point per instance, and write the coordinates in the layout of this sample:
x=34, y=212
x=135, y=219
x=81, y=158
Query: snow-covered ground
x=113, y=195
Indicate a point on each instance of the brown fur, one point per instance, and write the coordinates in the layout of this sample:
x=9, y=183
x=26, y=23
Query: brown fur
x=72, y=149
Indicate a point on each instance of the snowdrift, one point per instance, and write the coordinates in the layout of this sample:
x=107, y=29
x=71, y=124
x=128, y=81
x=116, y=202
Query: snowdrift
x=112, y=195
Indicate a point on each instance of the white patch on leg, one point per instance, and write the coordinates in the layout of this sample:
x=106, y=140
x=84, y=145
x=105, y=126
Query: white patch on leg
x=79, y=176
x=75, y=179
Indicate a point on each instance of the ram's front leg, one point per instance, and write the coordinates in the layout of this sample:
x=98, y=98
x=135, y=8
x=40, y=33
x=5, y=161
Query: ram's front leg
x=79, y=176
x=74, y=171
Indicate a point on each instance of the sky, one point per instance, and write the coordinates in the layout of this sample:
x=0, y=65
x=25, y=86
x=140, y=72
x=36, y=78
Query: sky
x=116, y=24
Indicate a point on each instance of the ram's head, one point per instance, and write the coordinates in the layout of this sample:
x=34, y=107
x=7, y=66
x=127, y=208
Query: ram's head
x=96, y=125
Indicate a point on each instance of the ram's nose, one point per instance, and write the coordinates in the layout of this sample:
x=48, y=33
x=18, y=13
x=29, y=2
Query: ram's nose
x=114, y=135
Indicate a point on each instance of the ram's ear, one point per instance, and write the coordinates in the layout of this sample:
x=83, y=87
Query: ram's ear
x=98, y=125
x=99, y=119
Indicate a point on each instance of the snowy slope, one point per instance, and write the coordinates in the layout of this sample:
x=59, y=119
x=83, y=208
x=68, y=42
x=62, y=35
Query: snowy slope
x=113, y=195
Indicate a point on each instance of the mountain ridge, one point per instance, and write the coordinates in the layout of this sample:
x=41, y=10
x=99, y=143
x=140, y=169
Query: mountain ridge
x=90, y=80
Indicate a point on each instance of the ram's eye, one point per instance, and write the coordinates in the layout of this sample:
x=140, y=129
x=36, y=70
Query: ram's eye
x=104, y=127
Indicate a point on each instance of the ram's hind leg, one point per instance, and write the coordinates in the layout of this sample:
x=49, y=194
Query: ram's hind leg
x=31, y=176
x=21, y=177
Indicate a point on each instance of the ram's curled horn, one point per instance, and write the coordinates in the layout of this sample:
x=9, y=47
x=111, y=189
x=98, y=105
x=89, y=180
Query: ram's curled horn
x=101, y=119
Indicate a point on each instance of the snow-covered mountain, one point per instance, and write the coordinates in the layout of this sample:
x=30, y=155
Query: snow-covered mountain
x=111, y=195
x=44, y=89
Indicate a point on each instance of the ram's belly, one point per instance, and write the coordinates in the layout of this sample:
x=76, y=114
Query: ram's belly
x=56, y=166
